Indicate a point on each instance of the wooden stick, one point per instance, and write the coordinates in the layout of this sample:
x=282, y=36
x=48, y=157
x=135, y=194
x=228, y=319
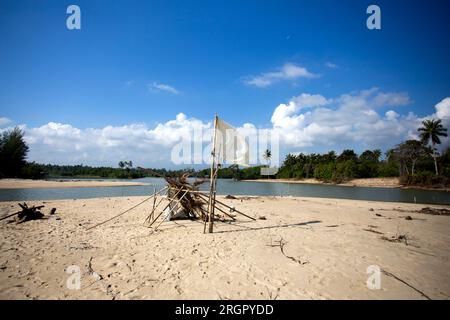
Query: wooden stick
x=10, y=215
x=178, y=201
x=172, y=199
x=226, y=213
x=212, y=174
x=223, y=204
x=403, y=281
x=122, y=213
x=154, y=200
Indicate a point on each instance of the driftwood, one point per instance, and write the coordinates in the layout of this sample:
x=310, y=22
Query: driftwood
x=26, y=214
x=435, y=211
x=191, y=203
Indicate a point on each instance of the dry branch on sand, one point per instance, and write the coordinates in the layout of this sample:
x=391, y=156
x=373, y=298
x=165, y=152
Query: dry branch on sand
x=27, y=213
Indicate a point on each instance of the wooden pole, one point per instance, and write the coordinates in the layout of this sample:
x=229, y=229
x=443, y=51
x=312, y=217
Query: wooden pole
x=122, y=213
x=171, y=209
x=170, y=201
x=227, y=206
x=212, y=181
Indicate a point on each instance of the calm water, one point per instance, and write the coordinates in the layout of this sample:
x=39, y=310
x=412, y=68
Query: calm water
x=225, y=187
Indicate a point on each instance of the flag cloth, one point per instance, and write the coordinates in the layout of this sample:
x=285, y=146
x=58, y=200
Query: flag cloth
x=231, y=147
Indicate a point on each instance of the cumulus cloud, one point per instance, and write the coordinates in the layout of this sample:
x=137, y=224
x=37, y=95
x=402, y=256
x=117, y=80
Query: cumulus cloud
x=351, y=120
x=288, y=71
x=65, y=144
x=307, y=122
x=443, y=110
x=155, y=86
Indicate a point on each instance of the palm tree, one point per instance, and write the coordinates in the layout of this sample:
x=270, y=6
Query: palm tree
x=430, y=132
x=267, y=155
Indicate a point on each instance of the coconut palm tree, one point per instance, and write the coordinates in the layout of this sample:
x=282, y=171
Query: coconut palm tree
x=267, y=155
x=430, y=131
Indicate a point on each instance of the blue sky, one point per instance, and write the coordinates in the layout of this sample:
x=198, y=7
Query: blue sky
x=147, y=61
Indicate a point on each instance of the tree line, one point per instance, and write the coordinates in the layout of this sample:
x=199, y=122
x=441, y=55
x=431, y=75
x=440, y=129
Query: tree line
x=416, y=162
x=13, y=164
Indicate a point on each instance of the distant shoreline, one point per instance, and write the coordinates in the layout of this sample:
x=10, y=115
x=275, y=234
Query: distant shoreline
x=367, y=182
x=42, y=184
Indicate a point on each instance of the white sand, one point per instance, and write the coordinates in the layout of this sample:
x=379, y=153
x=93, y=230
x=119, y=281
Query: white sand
x=24, y=183
x=237, y=262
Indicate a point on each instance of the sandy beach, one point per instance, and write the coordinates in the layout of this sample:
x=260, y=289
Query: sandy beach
x=26, y=183
x=369, y=182
x=327, y=246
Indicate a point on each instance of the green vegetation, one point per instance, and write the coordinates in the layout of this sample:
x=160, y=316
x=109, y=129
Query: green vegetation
x=416, y=162
x=430, y=133
x=81, y=171
x=233, y=172
x=13, y=153
x=412, y=160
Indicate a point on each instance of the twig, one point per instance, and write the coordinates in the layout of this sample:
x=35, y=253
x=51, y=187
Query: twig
x=404, y=282
x=122, y=213
x=281, y=243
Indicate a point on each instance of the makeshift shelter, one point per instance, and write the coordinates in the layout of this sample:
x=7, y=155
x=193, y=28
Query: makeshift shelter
x=182, y=198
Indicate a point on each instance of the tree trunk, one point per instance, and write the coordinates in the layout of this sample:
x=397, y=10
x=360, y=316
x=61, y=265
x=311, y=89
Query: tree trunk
x=435, y=162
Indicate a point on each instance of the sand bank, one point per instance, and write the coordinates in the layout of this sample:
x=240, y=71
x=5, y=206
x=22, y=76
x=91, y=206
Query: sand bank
x=23, y=183
x=370, y=182
x=328, y=244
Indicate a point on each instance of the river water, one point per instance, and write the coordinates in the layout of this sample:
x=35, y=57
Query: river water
x=225, y=187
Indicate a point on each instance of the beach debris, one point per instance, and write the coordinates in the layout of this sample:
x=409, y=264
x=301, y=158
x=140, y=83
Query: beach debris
x=91, y=271
x=281, y=243
x=182, y=199
x=373, y=231
x=408, y=218
x=230, y=197
x=378, y=215
x=29, y=213
x=26, y=214
x=371, y=209
x=262, y=218
x=389, y=274
x=397, y=238
x=435, y=211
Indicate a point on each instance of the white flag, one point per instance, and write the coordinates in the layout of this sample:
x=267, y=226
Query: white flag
x=231, y=147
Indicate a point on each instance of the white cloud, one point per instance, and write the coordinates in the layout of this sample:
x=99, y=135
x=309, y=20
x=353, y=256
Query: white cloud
x=155, y=86
x=307, y=122
x=65, y=144
x=443, y=110
x=288, y=71
x=4, y=121
x=351, y=120
x=331, y=65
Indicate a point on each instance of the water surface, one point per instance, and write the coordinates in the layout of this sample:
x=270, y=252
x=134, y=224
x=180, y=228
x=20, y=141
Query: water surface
x=225, y=187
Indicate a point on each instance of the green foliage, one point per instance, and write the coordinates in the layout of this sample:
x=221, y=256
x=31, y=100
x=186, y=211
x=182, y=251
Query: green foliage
x=233, y=172
x=425, y=178
x=32, y=170
x=324, y=171
x=13, y=153
x=345, y=170
x=431, y=131
x=81, y=171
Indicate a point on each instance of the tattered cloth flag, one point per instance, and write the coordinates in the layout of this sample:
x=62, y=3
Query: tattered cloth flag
x=231, y=147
